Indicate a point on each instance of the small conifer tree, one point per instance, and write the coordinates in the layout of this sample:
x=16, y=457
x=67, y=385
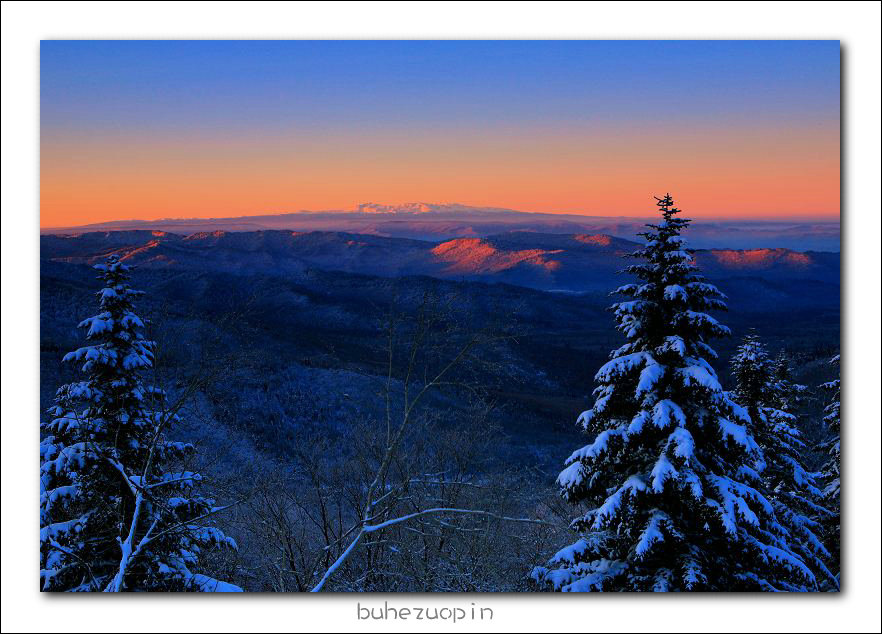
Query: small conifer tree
x=113, y=516
x=764, y=388
x=830, y=470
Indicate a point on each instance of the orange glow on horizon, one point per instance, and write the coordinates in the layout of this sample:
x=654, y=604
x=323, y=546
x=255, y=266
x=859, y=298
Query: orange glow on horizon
x=734, y=172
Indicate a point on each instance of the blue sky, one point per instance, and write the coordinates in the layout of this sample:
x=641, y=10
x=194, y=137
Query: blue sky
x=544, y=125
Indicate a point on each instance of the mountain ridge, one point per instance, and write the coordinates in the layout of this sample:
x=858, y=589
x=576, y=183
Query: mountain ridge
x=544, y=261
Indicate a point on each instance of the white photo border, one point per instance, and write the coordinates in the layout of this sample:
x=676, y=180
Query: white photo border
x=855, y=24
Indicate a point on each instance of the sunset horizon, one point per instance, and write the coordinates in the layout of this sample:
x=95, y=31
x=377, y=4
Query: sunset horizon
x=151, y=129
x=819, y=217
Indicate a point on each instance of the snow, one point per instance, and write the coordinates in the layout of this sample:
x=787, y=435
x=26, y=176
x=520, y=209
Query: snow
x=702, y=321
x=182, y=479
x=598, y=573
x=649, y=377
x=745, y=472
x=661, y=472
x=694, y=482
x=663, y=580
x=651, y=533
x=678, y=256
x=704, y=288
x=674, y=344
x=621, y=365
x=675, y=292
x=736, y=432
x=209, y=584
x=781, y=557
x=692, y=574
x=585, y=418
x=571, y=553
x=667, y=413
x=705, y=349
x=630, y=308
x=610, y=508
x=130, y=320
x=213, y=535
x=581, y=577
x=50, y=497
x=571, y=477
x=698, y=376
x=57, y=529
x=135, y=360
x=598, y=447
x=97, y=325
x=71, y=457
x=639, y=420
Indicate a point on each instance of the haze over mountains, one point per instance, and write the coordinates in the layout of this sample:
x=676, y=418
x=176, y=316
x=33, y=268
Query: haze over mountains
x=578, y=262
x=439, y=222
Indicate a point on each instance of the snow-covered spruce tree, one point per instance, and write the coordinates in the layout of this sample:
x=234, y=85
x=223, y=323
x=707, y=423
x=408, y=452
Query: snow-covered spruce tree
x=112, y=516
x=790, y=395
x=830, y=470
x=764, y=387
x=673, y=500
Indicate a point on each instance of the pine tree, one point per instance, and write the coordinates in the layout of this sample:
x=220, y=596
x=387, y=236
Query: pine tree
x=112, y=516
x=673, y=501
x=830, y=470
x=764, y=387
x=789, y=395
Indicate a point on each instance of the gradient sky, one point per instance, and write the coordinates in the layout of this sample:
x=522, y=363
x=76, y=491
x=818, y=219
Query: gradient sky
x=157, y=129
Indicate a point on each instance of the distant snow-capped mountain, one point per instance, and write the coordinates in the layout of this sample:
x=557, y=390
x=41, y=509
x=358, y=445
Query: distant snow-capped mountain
x=422, y=208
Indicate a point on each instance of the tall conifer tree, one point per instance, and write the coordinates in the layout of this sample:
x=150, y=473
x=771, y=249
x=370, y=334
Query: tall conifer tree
x=672, y=500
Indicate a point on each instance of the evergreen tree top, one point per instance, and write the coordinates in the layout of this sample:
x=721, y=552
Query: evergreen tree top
x=753, y=371
x=668, y=308
x=117, y=343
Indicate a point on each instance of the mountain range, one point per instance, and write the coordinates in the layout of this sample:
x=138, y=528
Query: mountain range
x=306, y=311
x=578, y=262
x=438, y=222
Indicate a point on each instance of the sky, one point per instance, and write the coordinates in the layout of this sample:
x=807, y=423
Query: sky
x=166, y=129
